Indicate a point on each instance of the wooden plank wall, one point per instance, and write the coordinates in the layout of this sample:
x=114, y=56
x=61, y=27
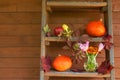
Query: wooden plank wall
x=20, y=39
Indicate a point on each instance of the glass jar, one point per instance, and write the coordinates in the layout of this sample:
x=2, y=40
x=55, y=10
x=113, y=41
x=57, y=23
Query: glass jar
x=91, y=65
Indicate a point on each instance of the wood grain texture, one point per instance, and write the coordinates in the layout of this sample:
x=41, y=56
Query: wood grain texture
x=117, y=72
x=117, y=52
x=73, y=17
x=116, y=19
x=34, y=18
x=74, y=4
x=19, y=73
x=19, y=52
x=29, y=5
x=32, y=41
x=115, y=5
x=20, y=18
x=8, y=6
x=20, y=78
x=19, y=62
x=55, y=51
x=77, y=74
x=17, y=41
x=117, y=65
x=116, y=41
x=20, y=37
x=20, y=6
x=66, y=78
x=20, y=29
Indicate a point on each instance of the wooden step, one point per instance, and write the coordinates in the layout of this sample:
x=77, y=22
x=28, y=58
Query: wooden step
x=53, y=39
x=75, y=74
x=77, y=4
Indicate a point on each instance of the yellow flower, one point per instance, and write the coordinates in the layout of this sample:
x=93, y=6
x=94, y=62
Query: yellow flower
x=65, y=27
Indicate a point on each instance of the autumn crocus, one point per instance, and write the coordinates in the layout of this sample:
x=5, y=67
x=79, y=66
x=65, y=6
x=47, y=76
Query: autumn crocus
x=100, y=47
x=90, y=50
x=84, y=46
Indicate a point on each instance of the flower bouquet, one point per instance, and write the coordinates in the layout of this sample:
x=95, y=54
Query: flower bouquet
x=91, y=53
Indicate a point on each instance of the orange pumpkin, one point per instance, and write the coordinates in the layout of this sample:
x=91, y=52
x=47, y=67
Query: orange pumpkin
x=96, y=28
x=62, y=63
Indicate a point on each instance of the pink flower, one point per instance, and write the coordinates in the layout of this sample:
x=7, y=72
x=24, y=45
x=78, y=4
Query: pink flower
x=84, y=46
x=100, y=47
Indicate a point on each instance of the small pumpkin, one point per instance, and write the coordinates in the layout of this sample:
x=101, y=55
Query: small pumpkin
x=62, y=63
x=96, y=28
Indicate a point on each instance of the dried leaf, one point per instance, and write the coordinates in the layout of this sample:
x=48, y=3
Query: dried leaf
x=110, y=68
x=107, y=42
x=107, y=37
x=108, y=45
x=105, y=67
x=46, y=63
x=69, y=43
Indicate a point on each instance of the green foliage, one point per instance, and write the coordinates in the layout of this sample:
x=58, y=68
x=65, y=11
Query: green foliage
x=46, y=29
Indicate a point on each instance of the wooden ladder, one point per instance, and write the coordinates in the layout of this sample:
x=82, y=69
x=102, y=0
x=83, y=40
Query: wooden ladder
x=47, y=7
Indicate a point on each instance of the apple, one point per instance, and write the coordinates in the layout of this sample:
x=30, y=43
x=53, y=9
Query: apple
x=58, y=30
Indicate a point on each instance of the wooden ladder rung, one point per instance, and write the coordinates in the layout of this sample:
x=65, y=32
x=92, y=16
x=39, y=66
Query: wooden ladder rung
x=54, y=39
x=75, y=4
x=76, y=74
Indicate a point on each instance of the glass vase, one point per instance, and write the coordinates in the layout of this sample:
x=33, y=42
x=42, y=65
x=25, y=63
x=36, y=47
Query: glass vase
x=91, y=64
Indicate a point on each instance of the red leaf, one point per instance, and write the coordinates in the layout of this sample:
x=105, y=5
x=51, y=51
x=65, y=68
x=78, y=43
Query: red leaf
x=105, y=67
x=107, y=42
x=110, y=68
x=46, y=63
x=108, y=45
x=107, y=37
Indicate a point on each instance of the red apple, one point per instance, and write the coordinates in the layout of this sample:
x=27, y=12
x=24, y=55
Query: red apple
x=58, y=30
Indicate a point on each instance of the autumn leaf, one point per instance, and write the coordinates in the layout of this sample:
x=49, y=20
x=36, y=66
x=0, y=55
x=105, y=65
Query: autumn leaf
x=105, y=67
x=107, y=37
x=107, y=42
x=46, y=63
x=69, y=43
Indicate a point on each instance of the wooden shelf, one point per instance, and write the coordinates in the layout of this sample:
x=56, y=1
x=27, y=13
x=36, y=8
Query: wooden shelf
x=75, y=74
x=57, y=5
x=77, y=4
x=53, y=39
